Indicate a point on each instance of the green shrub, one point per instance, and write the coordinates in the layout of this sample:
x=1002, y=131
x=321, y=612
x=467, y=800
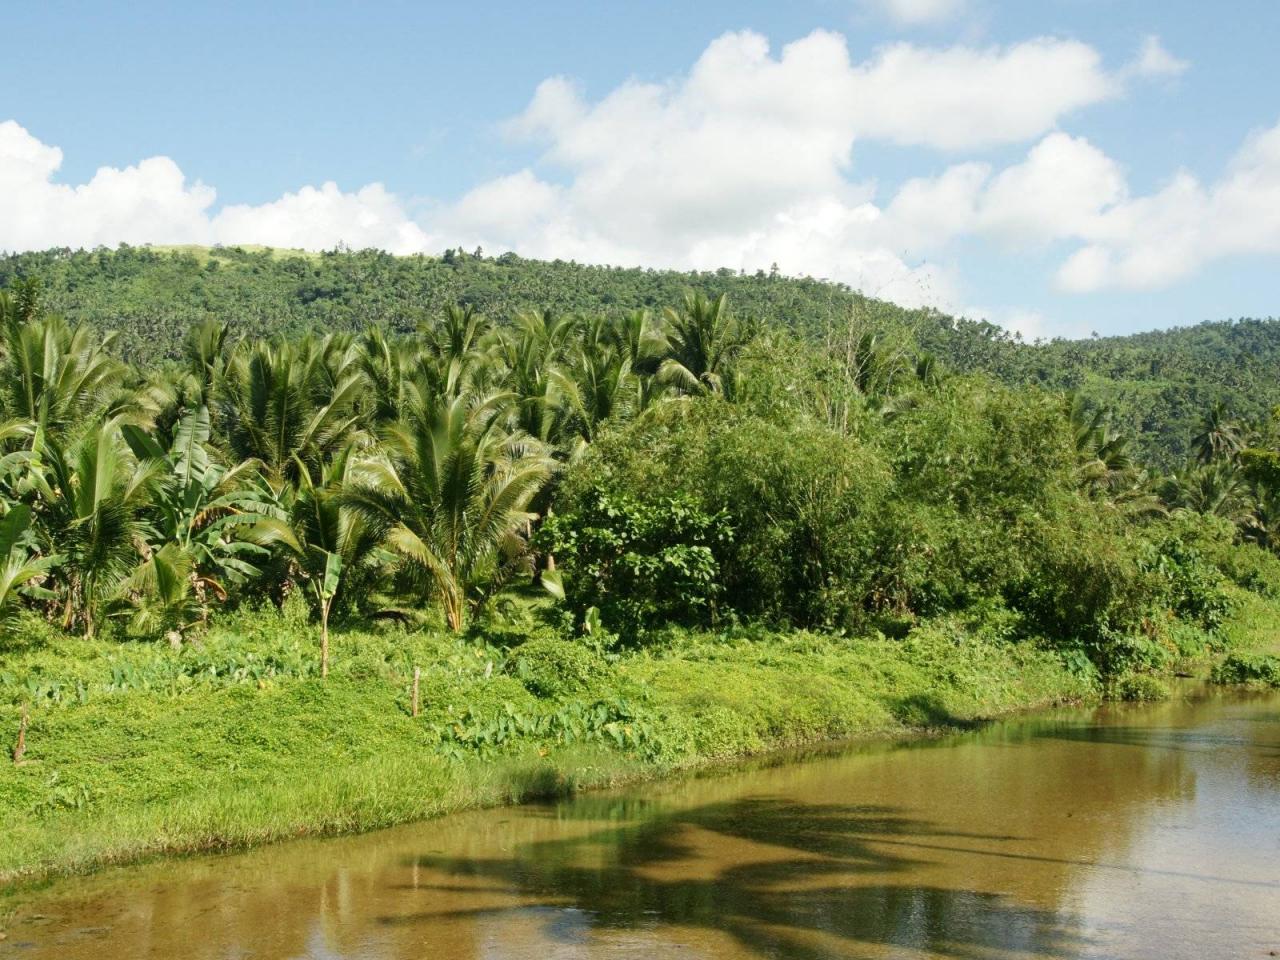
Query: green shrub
x=802, y=502
x=555, y=669
x=1252, y=668
x=640, y=564
x=1217, y=540
x=1078, y=581
x=1193, y=588
x=1138, y=687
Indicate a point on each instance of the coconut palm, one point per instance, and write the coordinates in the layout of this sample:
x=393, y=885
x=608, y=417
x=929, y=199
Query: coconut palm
x=1102, y=453
x=327, y=542
x=703, y=338
x=596, y=385
x=1217, y=489
x=92, y=506
x=160, y=595
x=532, y=352
x=455, y=354
x=55, y=376
x=450, y=495
x=200, y=506
x=385, y=365
x=289, y=405
x=1219, y=437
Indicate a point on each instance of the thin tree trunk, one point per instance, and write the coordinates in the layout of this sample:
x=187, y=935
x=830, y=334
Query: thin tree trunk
x=324, y=637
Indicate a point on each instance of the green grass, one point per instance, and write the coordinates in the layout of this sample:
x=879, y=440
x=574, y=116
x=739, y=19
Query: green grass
x=1255, y=626
x=136, y=750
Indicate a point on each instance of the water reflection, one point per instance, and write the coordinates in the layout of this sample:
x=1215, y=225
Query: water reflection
x=1126, y=832
x=801, y=895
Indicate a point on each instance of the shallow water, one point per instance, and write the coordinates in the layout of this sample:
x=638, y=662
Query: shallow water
x=1121, y=832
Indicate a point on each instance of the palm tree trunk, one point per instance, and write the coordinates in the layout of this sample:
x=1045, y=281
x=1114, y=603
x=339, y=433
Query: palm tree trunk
x=453, y=612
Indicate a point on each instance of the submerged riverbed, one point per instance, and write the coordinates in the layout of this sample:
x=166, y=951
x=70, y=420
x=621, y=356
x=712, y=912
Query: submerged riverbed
x=1122, y=831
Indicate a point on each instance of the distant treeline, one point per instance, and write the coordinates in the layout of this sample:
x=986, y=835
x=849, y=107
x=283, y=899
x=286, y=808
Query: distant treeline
x=1156, y=385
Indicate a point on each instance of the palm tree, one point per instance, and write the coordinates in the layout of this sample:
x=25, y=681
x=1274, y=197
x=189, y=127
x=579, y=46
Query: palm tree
x=703, y=338
x=159, y=597
x=1217, y=489
x=385, y=364
x=597, y=385
x=642, y=345
x=93, y=498
x=1102, y=454
x=327, y=541
x=1219, y=438
x=450, y=495
x=207, y=355
x=55, y=376
x=532, y=352
x=290, y=405
x=455, y=354
x=200, y=506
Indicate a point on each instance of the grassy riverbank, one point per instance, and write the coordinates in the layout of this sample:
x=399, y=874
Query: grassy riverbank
x=134, y=750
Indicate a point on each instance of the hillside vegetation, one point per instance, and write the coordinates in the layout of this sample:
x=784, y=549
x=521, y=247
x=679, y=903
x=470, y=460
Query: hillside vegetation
x=1157, y=384
x=356, y=576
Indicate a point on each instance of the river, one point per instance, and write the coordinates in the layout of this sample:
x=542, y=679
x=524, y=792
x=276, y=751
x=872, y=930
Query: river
x=1120, y=832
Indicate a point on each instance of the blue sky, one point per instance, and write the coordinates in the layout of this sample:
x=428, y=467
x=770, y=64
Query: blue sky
x=1061, y=166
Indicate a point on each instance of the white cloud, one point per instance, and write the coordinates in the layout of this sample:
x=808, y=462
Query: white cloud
x=914, y=13
x=1154, y=241
x=1058, y=191
x=1067, y=191
x=323, y=217
x=748, y=159
x=1154, y=60
x=151, y=202
x=965, y=98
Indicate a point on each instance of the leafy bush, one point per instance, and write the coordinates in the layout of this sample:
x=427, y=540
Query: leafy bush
x=1251, y=668
x=1078, y=580
x=639, y=564
x=1192, y=587
x=555, y=669
x=1138, y=687
x=1217, y=541
x=801, y=501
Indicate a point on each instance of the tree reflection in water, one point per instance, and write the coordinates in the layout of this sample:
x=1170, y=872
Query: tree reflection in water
x=790, y=880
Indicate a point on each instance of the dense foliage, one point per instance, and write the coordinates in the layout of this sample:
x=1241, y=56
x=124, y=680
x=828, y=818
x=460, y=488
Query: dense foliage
x=1158, y=384
x=648, y=470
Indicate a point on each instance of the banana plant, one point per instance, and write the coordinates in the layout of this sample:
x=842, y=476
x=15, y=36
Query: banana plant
x=20, y=568
x=201, y=506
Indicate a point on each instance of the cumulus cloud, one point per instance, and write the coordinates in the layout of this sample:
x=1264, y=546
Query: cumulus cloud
x=1067, y=191
x=1153, y=241
x=749, y=160
x=152, y=202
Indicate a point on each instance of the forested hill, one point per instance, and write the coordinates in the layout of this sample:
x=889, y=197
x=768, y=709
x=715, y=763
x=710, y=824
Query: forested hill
x=1158, y=384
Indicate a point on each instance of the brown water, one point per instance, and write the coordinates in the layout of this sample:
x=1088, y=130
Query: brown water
x=1124, y=832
